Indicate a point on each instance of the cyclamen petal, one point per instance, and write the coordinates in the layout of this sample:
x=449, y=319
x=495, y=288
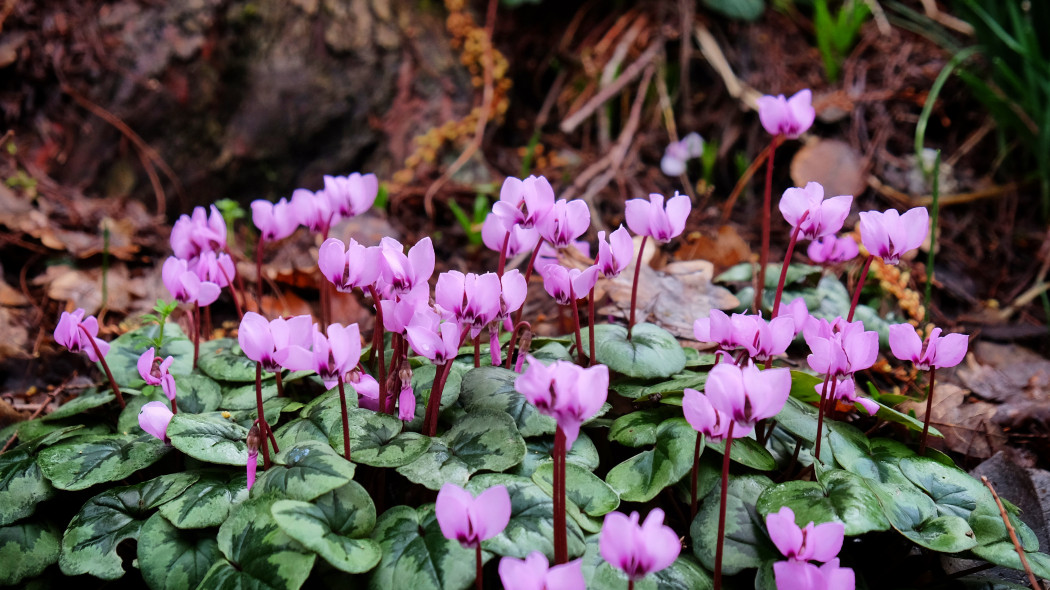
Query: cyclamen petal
x=638, y=550
x=788, y=117
x=470, y=520
x=651, y=217
x=534, y=573
x=615, y=254
x=890, y=235
x=154, y=418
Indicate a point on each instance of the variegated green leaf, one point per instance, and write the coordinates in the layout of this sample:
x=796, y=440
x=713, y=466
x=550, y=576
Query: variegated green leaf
x=746, y=543
x=643, y=476
x=592, y=495
x=22, y=485
x=223, y=360
x=82, y=462
x=207, y=502
x=125, y=350
x=416, y=555
x=652, y=352
x=304, y=472
x=492, y=388
x=335, y=525
x=838, y=496
x=483, y=440
x=173, y=559
x=211, y=438
x=26, y=550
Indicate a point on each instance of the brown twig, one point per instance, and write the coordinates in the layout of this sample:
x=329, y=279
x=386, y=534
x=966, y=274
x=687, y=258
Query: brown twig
x=50, y=398
x=569, y=124
x=1013, y=535
x=727, y=209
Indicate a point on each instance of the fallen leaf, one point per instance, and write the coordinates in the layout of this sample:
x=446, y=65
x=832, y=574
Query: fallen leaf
x=969, y=426
x=14, y=343
x=723, y=251
x=832, y=163
x=1006, y=373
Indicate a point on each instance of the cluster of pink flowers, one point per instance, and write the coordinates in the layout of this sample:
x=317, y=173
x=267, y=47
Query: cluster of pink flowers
x=814, y=542
x=737, y=397
x=201, y=267
x=342, y=197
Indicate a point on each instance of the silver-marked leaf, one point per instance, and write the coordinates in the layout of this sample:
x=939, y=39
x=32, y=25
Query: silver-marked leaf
x=745, y=451
x=643, y=476
x=82, y=462
x=197, y=394
x=272, y=408
x=538, y=452
x=210, y=438
x=172, y=559
x=89, y=545
x=952, y=489
x=483, y=440
x=86, y=425
x=125, y=350
x=839, y=496
x=652, y=352
x=244, y=397
x=223, y=360
x=336, y=526
x=915, y=516
x=684, y=574
x=22, y=485
x=375, y=439
x=799, y=419
x=207, y=502
x=1003, y=553
x=299, y=430
x=531, y=526
x=80, y=404
x=584, y=488
x=675, y=386
x=638, y=428
x=492, y=388
x=416, y=555
x=258, y=554
x=304, y=472
x=746, y=543
x=26, y=550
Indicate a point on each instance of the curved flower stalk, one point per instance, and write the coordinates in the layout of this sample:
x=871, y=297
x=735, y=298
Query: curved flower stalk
x=154, y=418
x=469, y=520
x=638, y=550
x=614, y=255
x=654, y=219
x=569, y=394
x=80, y=334
x=811, y=216
x=783, y=118
x=940, y=352
x=889, y=235
x=535, y=573
x=254, y=437
x=154, y=371
x=513, y=291
x=800, y=545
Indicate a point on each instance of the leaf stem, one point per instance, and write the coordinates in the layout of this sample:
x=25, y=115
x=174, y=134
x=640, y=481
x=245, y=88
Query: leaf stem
x=784, y=268
x=576, y=325
x=820, y=415
x=696, y=475
x=430, y=418
x=590, y=324
x=528, y=275
x=262, y=417
x=477, y=560
x=767, y=198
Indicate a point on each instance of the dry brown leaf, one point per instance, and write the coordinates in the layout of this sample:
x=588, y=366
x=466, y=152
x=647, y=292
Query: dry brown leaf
x=969, y=427
x=14, y=343
x=832, y=163
x=83, y=288
x=723, y=251
x=1006, y=373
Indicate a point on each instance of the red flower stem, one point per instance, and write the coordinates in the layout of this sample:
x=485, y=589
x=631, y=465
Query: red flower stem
x=195, y=319
x=519, y=330
x=784, y=267
x=722, y=509
x=634, y=285
x=396, y=342
x=630, y=584
x=477, y=576
x=105, y=366
x=379, y=346
x=233, y=294
x=528, y=275
x=236, y=276
x=258, y=272
x=174, y=407
x=576, y=324
x=477, y=350
x=280, y=384
x=696, y=475
x=820, y=416
x=503, y=256
x=561, y=546
x=273, y=439
x=430, y=418
x=860, y=285
x=262, y=417
x=590, y=323
x=767, y=198
x=346, y=420
x=929, y=409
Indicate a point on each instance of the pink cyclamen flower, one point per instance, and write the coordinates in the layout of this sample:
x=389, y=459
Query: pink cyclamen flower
x=331, y=357
x=398, y=314
x=615, y=254
x=814, y=542
x=534, y=573
x=275, y=221
x=154, y=418
x=535, y=193
x=214, y=268
x=70, y=333
x=679, y=152
x=813, y=215
x=184, y=284
x=565, y=284
x=312, y=210
x=494, y=232
x=367, y=389
x=703, y=417
x=568, y=393
x=154, y=371
x=513, y=289
x=651, y=218
x=470, y=520
x=941, y=351
x=846, y=390
x=638, y=550
x=261, y=340
x=402, y=274
x=472, y=300
x=717, y=328
x=201, y=232
x=790, y=117
x=763, y=340
x=352, y=195
x=832, y=250
x=890, y=235
x=802, y=575
x=840, y=348
x=252, y=466
x=433, y=338
x=564, y=222
x=798, y=311
x=348, y=266
x=406, y=402
x=747, y=394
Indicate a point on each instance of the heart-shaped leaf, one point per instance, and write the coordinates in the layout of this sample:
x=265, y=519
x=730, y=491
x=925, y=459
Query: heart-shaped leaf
x=125, y=350
x=1003, y=553
x=952, y=489
x=22, y=485
x=207, y=502
x=839, y=496
x=210, y=438
x=80, y=404
x=638, y=428
x=335, y=526
x=197, y=394
x=299, y=430
x=423, y=381
x=304, y=472
x=258, y=553
x=531, y=526
x=492, y=388
x=172, y=559
x=483, y=440
x=584, y=488
x=652, y=352
x=642, y=477
x=85, y=461
x=128, y=420
x=745, y=451
x=89, y=545
x=223, y=360
x=538, y=452
x=746, y=543
x=26, y=550
x=376, y=439
x=416, y=555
